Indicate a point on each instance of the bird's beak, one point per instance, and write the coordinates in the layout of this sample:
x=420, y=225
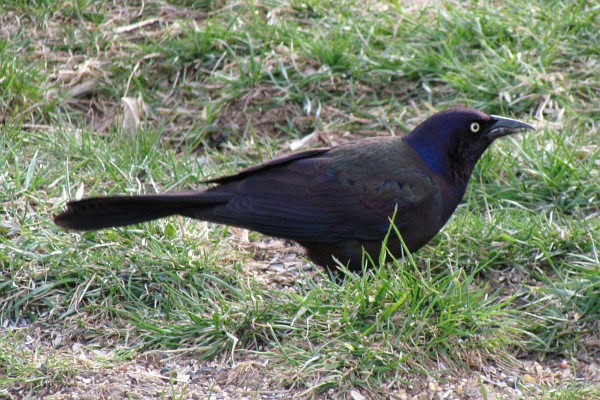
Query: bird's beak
x=506, y=126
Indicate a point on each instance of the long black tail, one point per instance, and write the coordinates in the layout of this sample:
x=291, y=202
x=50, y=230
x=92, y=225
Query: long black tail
x=105, y=212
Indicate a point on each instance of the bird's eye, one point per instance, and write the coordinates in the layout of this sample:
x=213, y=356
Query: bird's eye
x=475, y=127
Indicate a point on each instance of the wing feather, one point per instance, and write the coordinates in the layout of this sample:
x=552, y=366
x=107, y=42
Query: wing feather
x=318, y=196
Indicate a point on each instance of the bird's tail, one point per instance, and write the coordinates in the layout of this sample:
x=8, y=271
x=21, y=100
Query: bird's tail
x=105, y=212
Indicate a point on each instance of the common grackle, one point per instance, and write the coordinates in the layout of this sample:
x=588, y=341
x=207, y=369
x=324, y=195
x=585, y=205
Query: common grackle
x=333, y=201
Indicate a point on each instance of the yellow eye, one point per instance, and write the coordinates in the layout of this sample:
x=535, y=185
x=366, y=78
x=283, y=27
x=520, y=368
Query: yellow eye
x=475, y=127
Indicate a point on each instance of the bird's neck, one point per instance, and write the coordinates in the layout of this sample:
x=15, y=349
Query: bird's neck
x=442, y=159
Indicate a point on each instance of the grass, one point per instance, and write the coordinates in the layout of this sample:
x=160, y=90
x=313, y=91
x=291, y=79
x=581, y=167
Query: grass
x=105, y=97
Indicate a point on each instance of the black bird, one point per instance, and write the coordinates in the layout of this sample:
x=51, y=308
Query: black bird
x=333, y=201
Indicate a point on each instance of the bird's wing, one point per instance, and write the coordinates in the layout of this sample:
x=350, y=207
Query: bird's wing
x=367, y=205
x=306, y=197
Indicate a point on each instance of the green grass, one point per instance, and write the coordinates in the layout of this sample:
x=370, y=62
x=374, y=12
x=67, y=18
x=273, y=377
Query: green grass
x=513, y=278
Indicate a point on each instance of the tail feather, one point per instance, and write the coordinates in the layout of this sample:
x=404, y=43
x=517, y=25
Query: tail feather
x=106, y=212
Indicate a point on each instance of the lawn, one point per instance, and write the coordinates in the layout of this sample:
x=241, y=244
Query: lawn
x=105, y=97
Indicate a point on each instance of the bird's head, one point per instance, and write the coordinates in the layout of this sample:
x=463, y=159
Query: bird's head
x=452, y=141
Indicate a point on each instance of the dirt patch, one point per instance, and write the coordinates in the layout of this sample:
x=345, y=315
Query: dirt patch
x=249, y=375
